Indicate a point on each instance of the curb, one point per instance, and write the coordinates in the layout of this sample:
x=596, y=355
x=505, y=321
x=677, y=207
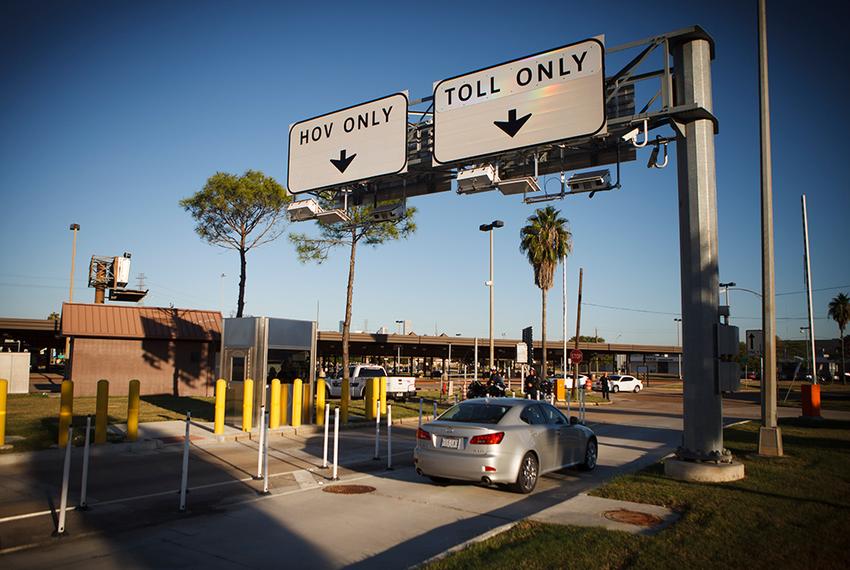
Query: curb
x=475, y=539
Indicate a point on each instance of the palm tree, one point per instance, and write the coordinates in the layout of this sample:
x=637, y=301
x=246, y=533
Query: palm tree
x=545, y=240
x=839, y=311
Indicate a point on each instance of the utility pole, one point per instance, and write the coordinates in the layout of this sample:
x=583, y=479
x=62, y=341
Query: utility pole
x=770, y=436
x=564, y=360
x=578, y=328
x=679, y=344
x=489, y=229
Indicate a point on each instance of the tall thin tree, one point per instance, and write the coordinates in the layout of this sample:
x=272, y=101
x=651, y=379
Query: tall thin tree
x=239, y=212
x=839, y=311
x=545, y=240
x=361, y=228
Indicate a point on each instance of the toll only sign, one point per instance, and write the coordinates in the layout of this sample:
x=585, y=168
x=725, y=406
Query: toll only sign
x=539, y=99
x=349, y=145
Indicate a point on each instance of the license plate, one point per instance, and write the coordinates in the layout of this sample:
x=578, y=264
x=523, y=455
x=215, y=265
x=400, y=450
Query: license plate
x=451, y=442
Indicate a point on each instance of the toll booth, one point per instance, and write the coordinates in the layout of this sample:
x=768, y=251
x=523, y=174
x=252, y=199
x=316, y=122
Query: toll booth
x=264, y=348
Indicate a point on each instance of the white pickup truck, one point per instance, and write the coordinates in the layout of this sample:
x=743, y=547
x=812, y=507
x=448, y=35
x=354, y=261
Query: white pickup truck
x=398, y=387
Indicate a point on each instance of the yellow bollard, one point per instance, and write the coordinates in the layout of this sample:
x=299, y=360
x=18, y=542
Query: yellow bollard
x=305, y=405
x=220, y=392
x=369, y=400
x=66, y=411
x=560, y=390
x=344, y=397
x=284, y=404
x=4, y=387
x=320, y=401
x=133, y=410
x=101, y=414
x=297, y=392
x=383, y=383
x=274, y=412
x=247, y=405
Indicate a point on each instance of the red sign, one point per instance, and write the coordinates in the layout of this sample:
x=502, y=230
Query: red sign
x=576, y=356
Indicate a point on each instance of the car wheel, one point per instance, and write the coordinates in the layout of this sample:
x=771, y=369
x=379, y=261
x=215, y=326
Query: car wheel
x=591, y=455
x=637, y=388
x=615, y=389
x=529, y=471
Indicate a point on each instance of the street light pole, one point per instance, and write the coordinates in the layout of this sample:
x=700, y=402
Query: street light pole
x=74, y=228
x=489, y=228
x=726, y=292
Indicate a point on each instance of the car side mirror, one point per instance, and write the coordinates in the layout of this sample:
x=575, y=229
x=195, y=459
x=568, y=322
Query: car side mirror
x=573, y=420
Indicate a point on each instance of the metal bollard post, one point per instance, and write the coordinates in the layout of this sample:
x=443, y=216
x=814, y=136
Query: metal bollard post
x=101, y=411
x=85, y=479
x=133, y=410
x=262, y=443
x=297, y=406
x=568, y=391
x=66, y=473
x=4, y=387
x=420, y=412
x=184, y=475
x=435, y=409
x=274, y=404
x=377, y=429
x=327, y=418
x=220, y=395
x=336, y=444
x=66, y=410
x=513, y=394
x=389, y=437
x=552, y=399
x=266, y=420
x=320, y=402
x=247, y=405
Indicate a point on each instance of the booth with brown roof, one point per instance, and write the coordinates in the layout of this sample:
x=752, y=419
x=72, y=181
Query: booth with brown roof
x=171, y=351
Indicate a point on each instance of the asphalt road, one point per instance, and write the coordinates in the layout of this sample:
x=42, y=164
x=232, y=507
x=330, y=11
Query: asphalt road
x=134, y=523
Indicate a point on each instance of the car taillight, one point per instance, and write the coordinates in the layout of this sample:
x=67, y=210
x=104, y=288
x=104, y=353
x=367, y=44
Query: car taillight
x=422, y=434
x=489, y=439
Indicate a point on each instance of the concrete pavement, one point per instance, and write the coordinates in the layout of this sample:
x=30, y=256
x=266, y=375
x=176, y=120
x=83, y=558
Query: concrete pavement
x=405, y=520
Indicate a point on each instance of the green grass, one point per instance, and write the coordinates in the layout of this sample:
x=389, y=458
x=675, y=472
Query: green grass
x=35, y=417
x=789, y=512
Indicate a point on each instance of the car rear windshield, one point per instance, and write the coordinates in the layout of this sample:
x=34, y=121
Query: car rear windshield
x=476, y=413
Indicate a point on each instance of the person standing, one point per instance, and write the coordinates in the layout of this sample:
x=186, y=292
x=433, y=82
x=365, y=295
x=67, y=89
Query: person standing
x=606, y=395
x=532, y=384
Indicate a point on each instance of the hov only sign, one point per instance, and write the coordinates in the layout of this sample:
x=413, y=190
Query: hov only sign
x=349, y=145
x=544, y=98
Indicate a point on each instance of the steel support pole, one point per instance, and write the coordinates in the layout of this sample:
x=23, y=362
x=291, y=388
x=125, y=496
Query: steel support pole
x=702, y=437
x=564, y=301
x=808, y=267
x=770, y=436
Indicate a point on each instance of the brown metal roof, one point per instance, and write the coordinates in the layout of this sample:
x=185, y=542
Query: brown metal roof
x=115, y=321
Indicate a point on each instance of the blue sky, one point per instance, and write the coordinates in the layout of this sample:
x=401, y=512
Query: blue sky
x=111, y=112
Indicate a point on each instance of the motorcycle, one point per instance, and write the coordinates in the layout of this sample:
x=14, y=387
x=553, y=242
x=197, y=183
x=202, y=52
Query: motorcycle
x=478, y=389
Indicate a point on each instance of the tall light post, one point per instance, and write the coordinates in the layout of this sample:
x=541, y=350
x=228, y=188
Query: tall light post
x=74, y=228
x=679, y=344
x=489, y=228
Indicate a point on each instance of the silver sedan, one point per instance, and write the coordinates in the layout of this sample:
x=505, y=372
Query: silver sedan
x=502, y=440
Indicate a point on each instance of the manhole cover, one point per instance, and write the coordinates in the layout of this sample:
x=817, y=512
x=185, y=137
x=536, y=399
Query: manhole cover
x=348, y=489
x=632, y=517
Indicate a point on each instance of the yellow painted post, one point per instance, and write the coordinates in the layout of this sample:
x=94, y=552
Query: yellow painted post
x=220, y=394
x=274, y=412
x=344, y=397
x=66, y=411
x=248, y=405
x=101, y=411
x=560, y=390
x=305, y=404
x=4, y=387
x=297, y=392
x=382, y=381
x=284, y=404
x=369, y=399
x=133, y=410
x=320, y=401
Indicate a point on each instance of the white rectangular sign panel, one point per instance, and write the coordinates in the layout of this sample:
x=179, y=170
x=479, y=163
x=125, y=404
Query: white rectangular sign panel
x=521, y=353
x=544, y=98
x=755, y=342
x=353, y=144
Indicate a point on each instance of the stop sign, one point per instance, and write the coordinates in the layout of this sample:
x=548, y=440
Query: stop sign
x=576, y=356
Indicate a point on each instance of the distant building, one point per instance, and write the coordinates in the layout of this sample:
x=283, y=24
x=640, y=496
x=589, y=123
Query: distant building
x=171, y=351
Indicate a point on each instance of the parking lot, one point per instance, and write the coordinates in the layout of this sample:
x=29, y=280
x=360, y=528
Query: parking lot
x=406, y=519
